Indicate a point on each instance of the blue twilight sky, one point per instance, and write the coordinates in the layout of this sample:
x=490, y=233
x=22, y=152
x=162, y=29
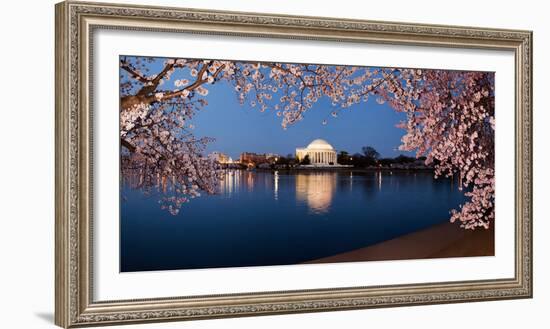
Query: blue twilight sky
x=242, y=128
x=245, y=129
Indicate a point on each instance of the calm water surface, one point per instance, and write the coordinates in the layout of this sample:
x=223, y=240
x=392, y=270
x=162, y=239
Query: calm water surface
x=278, y=218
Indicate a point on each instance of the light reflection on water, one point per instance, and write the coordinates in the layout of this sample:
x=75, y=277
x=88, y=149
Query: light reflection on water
x=316, y=189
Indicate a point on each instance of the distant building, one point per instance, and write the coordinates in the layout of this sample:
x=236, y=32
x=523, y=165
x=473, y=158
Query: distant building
x=254, y=159
x=320, y=153
x=221, y=158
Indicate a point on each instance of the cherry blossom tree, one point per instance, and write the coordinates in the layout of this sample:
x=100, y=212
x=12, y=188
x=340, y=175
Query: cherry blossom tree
x=450, y=120
x=450, y=117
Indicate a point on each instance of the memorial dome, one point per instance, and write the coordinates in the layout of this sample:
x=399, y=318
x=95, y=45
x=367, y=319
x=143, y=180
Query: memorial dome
x=319, y=144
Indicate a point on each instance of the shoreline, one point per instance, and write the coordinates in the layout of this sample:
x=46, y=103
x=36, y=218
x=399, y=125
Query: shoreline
x=347, y=169
x=443, y=240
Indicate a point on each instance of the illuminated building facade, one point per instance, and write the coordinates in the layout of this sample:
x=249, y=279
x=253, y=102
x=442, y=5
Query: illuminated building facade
x=320, y=153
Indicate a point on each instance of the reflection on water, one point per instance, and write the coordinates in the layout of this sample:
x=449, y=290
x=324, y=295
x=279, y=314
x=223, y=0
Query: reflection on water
x=317, y=189
x=267, y=218
x=314, y=189
x=230, y=183
x=276, y=185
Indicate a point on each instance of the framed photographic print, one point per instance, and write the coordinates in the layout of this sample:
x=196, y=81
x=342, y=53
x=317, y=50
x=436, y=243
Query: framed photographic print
x=214, y=164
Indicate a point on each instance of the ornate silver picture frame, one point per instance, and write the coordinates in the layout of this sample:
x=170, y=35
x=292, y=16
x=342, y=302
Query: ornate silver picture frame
x=76, y=23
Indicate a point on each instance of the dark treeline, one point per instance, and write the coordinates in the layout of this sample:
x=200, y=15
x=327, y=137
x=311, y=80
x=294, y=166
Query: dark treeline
x=369, y=157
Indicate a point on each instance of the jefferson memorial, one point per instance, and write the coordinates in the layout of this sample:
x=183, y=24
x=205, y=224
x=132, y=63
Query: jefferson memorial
x=320, y=153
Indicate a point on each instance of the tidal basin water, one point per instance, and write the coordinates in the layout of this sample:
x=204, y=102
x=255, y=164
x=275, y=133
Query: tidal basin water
x=280, y=218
